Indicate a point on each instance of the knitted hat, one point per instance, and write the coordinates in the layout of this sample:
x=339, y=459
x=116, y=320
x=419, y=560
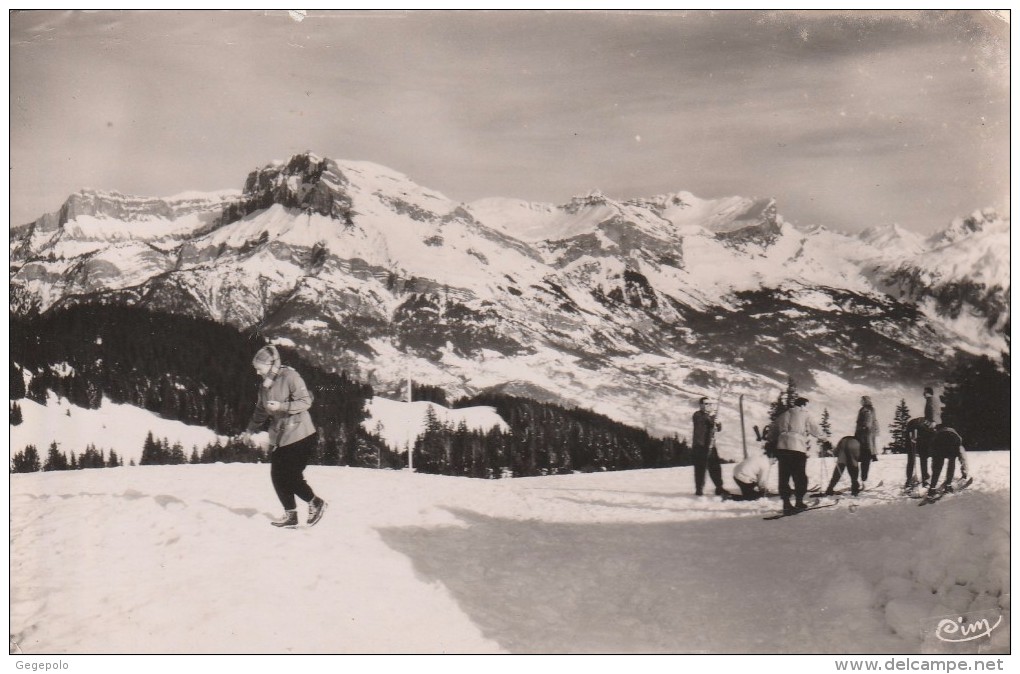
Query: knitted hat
x=866, y=401
x=268, y=355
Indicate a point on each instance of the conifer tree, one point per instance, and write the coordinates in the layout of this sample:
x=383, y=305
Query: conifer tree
x=791, y=393
x=16, y=416
x=777, y=407
x=17, y=390
x=177, y=456
x=826, y=448
x=150, y=451
x=26, y=461
x=976, y=401
x=898, y=428
x=55, y=459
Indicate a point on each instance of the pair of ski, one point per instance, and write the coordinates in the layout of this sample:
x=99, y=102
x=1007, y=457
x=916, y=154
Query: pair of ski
x=934, y=498
x=840, y=492
x=817, y=506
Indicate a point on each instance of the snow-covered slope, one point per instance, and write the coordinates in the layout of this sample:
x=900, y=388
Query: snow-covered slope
x=122, y=428
x=630, y=308
x=182, y=559
x=399, y=423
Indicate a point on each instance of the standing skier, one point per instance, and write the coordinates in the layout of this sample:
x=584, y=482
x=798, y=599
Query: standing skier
x=706, y=456
x=792, y=428
x=946, y=446
x=929, y=406
x=284, y=400
x=867, y=435
x=919, y=435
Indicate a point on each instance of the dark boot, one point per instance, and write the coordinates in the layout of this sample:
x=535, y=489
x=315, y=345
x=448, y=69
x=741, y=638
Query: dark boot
x=316, y=507
x=289, y=520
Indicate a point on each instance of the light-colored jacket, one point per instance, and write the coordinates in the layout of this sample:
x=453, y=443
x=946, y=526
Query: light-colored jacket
x=291, y=422
x=794, y=425
x=752, y=470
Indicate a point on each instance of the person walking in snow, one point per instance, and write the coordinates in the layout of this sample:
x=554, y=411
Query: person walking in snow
x=751, y=475
x=848, y=458
x=792, y=428
x=284, y=401
x=706, y=456
x=946, y=448
x=920, y=432
x=867, y=435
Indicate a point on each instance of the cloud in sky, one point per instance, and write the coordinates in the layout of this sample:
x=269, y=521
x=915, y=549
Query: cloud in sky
x=849, y=119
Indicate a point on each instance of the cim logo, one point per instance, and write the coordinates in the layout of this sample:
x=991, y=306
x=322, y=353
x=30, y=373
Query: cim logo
x=959, y=630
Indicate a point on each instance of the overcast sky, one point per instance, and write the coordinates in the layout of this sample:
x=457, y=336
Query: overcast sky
x=848, y=120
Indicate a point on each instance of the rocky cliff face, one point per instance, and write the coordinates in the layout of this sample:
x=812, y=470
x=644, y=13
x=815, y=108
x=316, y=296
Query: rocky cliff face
x=623, y=307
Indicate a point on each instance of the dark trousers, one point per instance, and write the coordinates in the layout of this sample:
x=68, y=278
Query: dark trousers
x=706, y=459
x=837, y=473
x=921, y=453
x=865, y=465
x=792, y=465
x=288, y=467
x=936, y=470
x=748, y=492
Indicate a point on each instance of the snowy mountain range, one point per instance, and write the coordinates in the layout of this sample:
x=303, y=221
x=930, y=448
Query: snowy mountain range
x=629, y=308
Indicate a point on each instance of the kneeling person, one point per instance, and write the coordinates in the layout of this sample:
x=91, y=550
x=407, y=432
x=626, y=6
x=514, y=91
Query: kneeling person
x=751, y=476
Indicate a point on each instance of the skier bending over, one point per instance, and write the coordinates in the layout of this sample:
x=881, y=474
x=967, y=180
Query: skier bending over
x=848, y=457
x=751, y=476
x=792, y=428
x=283, y=401
x=946, y=446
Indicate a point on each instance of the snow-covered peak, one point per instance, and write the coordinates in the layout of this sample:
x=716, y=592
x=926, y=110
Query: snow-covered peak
x=982, y=256
x=893, y=238
x=962, y=228
x=728, y=214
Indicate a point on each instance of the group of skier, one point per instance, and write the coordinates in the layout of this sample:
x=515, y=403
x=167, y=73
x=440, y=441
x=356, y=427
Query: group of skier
x=283, y=402
x=786, y=444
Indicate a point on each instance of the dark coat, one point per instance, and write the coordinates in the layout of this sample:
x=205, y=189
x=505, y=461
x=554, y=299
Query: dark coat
x=947, y=443
x=705, y=428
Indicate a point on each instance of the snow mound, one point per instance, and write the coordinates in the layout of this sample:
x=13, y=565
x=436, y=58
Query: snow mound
x=400, y=423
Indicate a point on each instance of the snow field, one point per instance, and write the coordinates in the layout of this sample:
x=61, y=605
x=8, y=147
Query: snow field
x=181, y=559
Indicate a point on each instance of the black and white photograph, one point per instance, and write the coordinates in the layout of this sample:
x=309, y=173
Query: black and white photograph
x=526, y=332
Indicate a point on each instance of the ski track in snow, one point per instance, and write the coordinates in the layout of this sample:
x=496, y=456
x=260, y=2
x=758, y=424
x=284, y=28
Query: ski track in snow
x=181, y=559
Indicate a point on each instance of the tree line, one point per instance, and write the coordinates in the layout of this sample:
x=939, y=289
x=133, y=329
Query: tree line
x=542, y=439
x=975, y=403
x=199, y=372
x=28, y=460
x=182, y=368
